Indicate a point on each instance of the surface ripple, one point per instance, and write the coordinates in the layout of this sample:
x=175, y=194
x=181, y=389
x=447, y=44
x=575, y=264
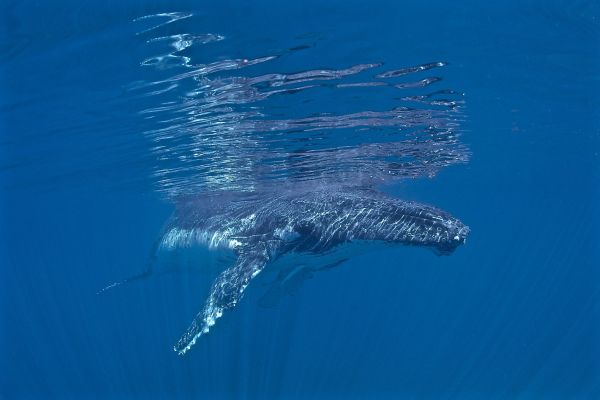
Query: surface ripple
x=244, y=124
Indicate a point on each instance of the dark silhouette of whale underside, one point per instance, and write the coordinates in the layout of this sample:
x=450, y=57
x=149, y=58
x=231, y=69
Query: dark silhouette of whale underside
x=262, y=228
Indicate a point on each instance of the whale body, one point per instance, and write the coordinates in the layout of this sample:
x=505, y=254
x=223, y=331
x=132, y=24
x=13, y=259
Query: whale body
x=259, y=229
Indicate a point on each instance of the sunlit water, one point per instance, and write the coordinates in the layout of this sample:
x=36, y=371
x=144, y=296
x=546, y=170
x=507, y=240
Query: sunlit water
x=287, y=167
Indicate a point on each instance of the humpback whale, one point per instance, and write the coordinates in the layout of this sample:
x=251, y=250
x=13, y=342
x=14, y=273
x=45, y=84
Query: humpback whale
x=257, y=164
x=259, y=229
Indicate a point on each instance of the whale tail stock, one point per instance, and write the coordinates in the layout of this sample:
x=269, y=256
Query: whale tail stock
x=146, y=273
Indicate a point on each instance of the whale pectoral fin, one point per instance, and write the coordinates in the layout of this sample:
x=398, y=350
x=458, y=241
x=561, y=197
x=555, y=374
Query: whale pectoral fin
x=225, y=292
x=332, y=265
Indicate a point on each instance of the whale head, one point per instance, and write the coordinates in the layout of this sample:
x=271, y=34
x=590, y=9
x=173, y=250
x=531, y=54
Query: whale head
x=453, y=237
x=425, y=226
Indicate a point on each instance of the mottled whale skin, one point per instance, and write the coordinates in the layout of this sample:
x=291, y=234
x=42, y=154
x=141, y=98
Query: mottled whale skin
x=261, y=228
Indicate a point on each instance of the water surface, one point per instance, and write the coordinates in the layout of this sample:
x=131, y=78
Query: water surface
x=111, y=115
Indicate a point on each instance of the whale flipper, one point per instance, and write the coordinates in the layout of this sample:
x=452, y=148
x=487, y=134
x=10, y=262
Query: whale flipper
x=289, y=280
x=227, y=290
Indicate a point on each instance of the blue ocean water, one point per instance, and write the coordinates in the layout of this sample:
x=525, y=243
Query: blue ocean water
x=111, y=113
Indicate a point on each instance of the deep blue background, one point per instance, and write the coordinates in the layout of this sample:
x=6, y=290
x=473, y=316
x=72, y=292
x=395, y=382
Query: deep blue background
x=512, y=314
